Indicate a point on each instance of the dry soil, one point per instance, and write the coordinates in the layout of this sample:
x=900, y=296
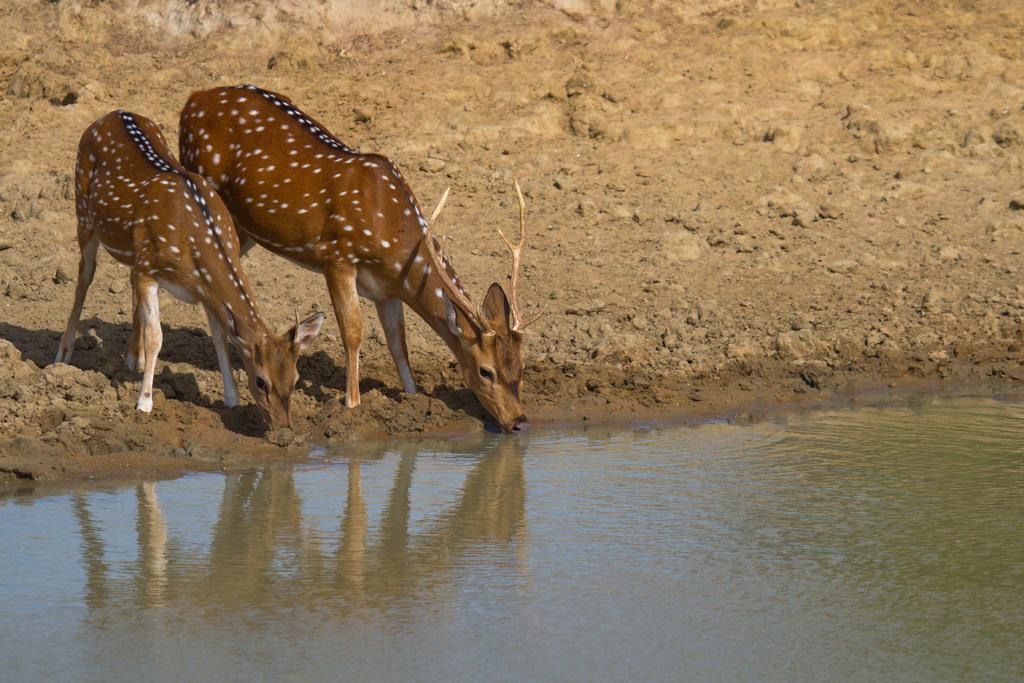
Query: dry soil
x=729, y=204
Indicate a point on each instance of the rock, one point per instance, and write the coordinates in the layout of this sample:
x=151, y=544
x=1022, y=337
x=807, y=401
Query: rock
x=937, y=298
x=563, y=182
x=199, y=452
x=16, y=290
x=586, y=207
x=743, y=350
x=1017, y=203
x=284, y=59
x=812, y=373
x=890, y=351
x=842, y=266
x=623, y=212
x=1006, y=134
x=116, y=286
x=281, y=437
x=34, y=81
x=799, y=323
x=798, y=345
x=360, y=116
x=432, y=165
x=811, y=167
x=595, y=117
x=681, y=245
x=60, y=277
x=9, y=388
x=949, y=253
x=890, y=264
x=829, y=212
x=578, y=84
x=744, y=244
x=88, y=341
x=786, y=137
x=972, y=138
x=179, y=383
x=586, y=308
x=874, y=134
x=867, y=259
x=61, y=375
x=789, y=204
x=25, y=211
x=50, y=419
x=9, y=353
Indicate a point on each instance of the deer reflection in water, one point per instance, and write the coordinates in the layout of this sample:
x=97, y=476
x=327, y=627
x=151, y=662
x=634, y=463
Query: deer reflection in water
x=263, y=553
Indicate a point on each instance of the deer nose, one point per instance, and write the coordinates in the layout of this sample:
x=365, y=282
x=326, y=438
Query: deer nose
x=518, y=423
x=277, y=421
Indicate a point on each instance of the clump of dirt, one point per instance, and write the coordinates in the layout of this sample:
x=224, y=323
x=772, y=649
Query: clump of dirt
x=729, y=204
x=60, y=421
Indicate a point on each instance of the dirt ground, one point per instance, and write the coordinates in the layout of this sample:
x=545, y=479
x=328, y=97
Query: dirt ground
x=730, y=204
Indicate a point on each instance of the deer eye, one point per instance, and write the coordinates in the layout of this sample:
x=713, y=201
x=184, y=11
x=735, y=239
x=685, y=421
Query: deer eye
x=487, y=374
x=261, y=384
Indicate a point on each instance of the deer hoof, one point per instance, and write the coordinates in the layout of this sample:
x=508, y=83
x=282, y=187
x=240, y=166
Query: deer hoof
x=145, y=404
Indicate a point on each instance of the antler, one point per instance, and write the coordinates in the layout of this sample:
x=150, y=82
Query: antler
x=455, y=293
x=517, y=255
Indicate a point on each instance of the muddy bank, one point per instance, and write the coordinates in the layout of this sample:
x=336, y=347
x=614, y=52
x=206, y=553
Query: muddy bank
x=729, y=205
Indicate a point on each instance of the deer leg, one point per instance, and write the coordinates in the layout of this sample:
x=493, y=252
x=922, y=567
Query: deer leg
x=220, y=343
x=149, y=304
x=135, y=356
x=89, y=245
x=342, y=285
x=152, y=537
x=245, y=243
x=392, y=319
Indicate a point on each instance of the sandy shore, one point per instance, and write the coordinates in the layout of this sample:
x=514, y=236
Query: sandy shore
x=731, y=205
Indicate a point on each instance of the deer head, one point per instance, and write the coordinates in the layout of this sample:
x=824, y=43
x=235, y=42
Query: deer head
x=270, y=362
x=489, y=338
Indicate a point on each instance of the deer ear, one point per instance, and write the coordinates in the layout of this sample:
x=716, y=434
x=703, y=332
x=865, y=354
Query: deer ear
x=458, y=325
x=496, y=309
x=305, y=332
x=452, y=316
x=233, y=326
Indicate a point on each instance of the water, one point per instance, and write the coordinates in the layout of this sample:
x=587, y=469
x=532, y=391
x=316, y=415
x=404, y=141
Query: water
x=866, y=544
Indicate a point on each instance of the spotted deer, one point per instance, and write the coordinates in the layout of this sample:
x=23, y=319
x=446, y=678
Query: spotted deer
x=169, y=226
x=298, y=191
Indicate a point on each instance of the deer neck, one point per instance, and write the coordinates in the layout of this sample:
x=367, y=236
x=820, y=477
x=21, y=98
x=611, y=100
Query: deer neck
x=423, y=299
x=421, y=287
x=229, y=291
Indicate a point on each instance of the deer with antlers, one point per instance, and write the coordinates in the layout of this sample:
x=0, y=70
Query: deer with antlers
x=298, y=191
x=174, y=232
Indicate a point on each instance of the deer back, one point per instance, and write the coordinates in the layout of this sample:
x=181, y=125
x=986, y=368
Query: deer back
x=151, y=213
x=298, y=190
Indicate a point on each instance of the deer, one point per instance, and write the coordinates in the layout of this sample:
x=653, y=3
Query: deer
x=296, y=190
x=133, y=198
